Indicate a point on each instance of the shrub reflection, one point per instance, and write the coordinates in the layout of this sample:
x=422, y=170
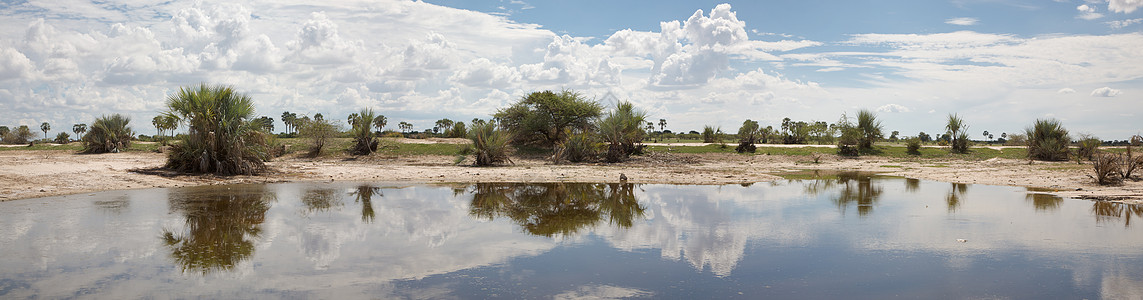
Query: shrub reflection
x=549, y=209
x=1044, y=202
x=854, y=187
x=956, y=196
x=1107, y=211
x=220, y=227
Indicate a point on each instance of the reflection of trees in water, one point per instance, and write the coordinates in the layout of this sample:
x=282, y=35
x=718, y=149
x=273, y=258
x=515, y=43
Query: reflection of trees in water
x=912, y=185
x=956, y=196
x=321, y=200
x=549, y=209
x=1107, y=211
x=364, y=195
x=1044, y=202
x=854, y=187
x=220, y=227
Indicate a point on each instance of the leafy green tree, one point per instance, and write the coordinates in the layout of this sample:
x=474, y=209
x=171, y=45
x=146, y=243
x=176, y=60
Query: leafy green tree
x=20, y=135
x=543, y=118
x=108, y=134
x=45, y=127
x=893, y=136
x=265, y=124
x=4, y=130
x=458, y=130
x=849, y=141
x=443, y=125
x=924, y=137
x=621, y=130
x=319, y=117
x=319, y=132
x=222, y=136
x=747, y=136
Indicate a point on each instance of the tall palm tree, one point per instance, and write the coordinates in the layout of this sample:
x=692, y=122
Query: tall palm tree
x=379, y=121
x=870, y=128
x=221, y=137
x=45, y=127
x=79, y=129
x=958, y=133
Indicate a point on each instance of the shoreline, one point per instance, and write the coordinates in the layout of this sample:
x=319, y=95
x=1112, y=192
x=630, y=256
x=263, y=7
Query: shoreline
x=26, y=174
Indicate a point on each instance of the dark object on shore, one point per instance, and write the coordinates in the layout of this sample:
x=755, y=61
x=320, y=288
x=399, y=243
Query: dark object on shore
x=622, y=177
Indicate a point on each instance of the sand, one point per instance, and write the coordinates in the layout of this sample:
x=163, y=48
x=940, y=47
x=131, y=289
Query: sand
x=32, y=174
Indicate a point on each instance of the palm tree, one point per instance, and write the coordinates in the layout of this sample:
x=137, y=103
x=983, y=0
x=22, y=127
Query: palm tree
x=490, y=145
x=870, y=128
x=108, y=134
x=379, y=121
x=662, y=124
x=79, y=129
x=221, y=135
x=958, y=133
x=363, y=139
x=620, y=129
x=45, y=127
x=157, y=121
x=1047, y=140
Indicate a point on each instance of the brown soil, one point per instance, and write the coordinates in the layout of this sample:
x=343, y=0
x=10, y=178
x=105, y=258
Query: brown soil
x=31, y=174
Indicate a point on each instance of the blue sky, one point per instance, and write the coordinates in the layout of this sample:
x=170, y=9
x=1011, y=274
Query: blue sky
x=1000, y=64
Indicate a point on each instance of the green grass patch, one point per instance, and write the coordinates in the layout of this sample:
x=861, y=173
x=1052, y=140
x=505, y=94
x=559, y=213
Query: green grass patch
x=892, y=166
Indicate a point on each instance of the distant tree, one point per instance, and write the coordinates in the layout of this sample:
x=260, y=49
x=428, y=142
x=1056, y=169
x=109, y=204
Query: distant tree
x=893, y=136
x=650, y=127
x=662, y=124
x=4, y=130
x=1004, y=135
x=265, y=123
x=458, y=130
x=710, y=134
x=380, y=121
x=442, y=125
x=319, y=117
x=45, y=127
x=545, y=118
x=924, y=137
x=405, y=126
x=290, y=120
x=319, y=132
x=79, y=129
x=986, y=135
x=20, y=135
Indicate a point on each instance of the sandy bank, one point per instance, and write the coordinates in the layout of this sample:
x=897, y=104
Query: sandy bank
x=32, y=174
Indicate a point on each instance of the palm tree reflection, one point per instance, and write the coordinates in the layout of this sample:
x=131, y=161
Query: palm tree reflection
x=1044, y=202
x=221, y=226
x=364, y=195
x=1107, y=211
x=956, y=196
x=854, y=187
x=549, y=209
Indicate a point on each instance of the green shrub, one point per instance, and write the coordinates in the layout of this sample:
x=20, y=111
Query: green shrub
x=748, y=134
x=710, y=134
x=1047, y=140
x=1087, y=146
x=222, y=137
x=913, y=146
x=544, y=118
x=579, y=147
x=870, y=129
x=63, y=138
x=108, y=134
x=19, y=136
x=958, y=134
x=490, y=145
x=622, y=130
x=319, y=133
x=364, y=143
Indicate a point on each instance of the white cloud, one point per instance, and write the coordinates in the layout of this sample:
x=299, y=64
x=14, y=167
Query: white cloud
x=14, y=64
x=1120, y=24
x=1105, y=92
x=893, y=108
x=318, y=42
x=484, y=73
x=962, y=21
x=1124, y=6
x=1088, y=12
x=1066, y=91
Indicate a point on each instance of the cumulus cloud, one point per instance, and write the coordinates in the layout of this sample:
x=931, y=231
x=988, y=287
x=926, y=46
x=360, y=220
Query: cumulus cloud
x=962, y=21
x=484, y=73
x=1087, y=12
x=893, y=108
x=13, y=64
x=1066, y=91
x=1105, y=92
x=1124, y=6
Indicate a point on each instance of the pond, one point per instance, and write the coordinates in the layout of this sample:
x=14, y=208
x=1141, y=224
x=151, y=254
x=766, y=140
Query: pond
x=846, y=235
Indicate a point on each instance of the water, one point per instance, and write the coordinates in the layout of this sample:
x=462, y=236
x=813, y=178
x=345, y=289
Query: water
x=847, y=236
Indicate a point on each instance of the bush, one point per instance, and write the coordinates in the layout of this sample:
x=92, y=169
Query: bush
x=222, y=136
x=747, y=135
x=63, y=138
x=870, y=129
x=1107, y=168
x=364, y=143
x=1016, y=139
x=913, y=146
x=578, y=148
x=319, y=132
x=108, y=134
x=710, y=134
x=490, y=145
x=1087, y=147
x=958, y=134
x=1047, y=140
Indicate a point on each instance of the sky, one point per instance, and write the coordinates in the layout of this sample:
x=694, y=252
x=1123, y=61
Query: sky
x=999, y=64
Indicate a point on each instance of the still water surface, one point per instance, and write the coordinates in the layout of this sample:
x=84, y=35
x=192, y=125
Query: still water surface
x=847, y=236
